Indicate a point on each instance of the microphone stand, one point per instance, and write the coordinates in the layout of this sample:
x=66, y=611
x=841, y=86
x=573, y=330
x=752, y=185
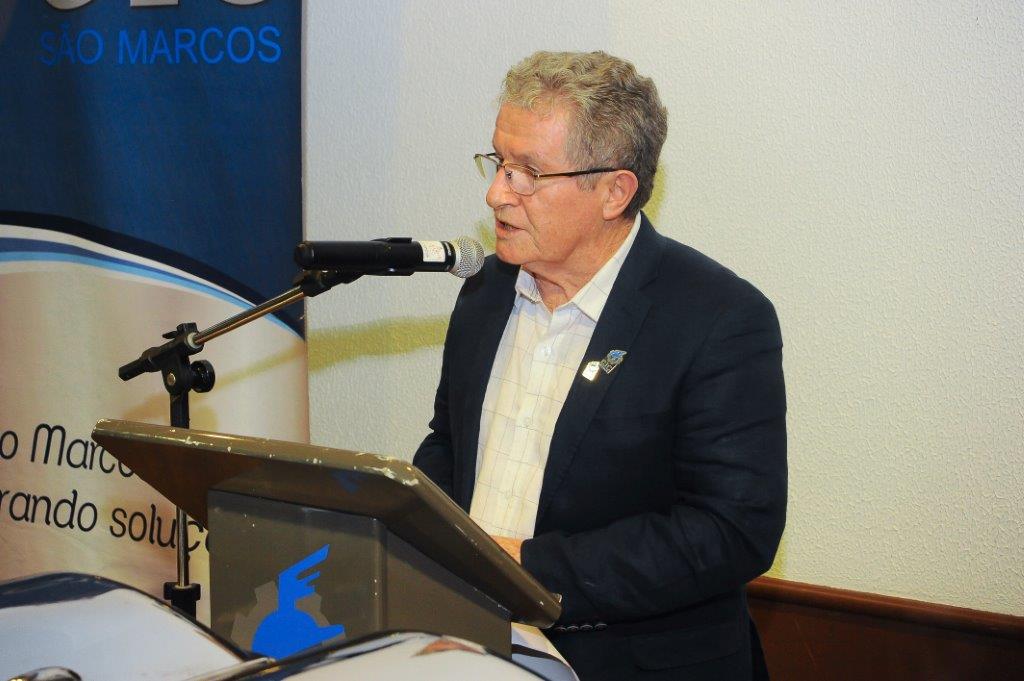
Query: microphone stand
x=180, y=377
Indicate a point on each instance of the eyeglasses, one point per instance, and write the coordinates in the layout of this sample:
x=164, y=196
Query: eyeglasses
x=522, y=179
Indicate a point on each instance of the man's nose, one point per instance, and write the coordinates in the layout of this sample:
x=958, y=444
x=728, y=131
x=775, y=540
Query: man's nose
x=500, y=193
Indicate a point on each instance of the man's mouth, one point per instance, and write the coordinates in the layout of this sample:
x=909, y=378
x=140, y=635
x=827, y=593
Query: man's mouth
x=504, y=228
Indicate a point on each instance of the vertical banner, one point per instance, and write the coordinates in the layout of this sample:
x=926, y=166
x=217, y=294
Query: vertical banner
x=150, y=174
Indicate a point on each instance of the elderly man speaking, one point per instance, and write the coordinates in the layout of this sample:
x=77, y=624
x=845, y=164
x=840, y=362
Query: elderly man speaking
x=611, y=405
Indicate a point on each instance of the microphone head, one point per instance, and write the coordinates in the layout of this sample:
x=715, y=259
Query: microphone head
x=469, y=257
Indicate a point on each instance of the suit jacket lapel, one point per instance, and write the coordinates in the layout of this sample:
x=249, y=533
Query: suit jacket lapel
x=620, y=321
x=493, y=315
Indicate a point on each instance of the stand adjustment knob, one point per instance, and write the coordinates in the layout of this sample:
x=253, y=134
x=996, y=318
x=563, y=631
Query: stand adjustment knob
x=183, y=598
x=203, y=376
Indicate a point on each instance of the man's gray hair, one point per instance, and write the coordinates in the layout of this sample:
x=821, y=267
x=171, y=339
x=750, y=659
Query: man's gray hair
x=618, y=120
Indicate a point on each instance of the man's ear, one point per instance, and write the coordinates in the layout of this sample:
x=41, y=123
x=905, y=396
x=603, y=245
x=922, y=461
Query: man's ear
x=621, y=189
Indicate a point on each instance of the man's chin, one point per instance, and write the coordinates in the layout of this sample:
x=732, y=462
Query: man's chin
x=509, y=254
x=506, y=252
x=509, y=261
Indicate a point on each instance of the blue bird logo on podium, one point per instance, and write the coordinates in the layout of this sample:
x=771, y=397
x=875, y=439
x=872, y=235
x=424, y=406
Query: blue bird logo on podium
x=288, y=630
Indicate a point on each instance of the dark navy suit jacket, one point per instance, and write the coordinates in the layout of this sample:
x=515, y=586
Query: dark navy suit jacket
x=665, y=486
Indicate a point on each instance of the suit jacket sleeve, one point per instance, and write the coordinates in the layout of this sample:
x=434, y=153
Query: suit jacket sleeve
x=435, y=456
x=729, y=465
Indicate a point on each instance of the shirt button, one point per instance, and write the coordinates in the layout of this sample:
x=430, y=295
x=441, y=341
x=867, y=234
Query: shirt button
x=546, y=351
x=526, y=422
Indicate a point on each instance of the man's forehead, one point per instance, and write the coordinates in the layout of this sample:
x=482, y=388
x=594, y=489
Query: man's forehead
x=529, y=136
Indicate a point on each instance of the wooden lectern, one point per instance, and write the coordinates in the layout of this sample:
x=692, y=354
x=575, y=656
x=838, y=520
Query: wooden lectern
x=382, y=546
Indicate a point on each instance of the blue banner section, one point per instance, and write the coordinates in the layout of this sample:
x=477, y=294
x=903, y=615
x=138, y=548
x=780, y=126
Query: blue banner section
x=167, y=131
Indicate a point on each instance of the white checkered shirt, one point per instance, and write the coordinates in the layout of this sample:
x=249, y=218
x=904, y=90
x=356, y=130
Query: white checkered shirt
x=533, y=369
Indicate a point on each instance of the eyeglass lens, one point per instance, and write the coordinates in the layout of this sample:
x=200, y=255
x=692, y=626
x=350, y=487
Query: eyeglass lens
x=520, y=181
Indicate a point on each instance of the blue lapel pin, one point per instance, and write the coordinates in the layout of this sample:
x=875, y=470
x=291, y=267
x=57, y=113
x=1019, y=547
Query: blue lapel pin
x=612, y=359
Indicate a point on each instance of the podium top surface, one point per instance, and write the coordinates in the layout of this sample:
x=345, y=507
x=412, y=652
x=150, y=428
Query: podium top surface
x=185, y=464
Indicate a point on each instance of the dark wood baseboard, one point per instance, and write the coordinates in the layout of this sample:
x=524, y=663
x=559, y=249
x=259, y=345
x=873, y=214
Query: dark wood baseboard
x=815, y=632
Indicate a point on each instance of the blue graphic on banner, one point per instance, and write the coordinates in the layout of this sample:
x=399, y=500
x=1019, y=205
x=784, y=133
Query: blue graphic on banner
x=288, y=630
x=167, y=132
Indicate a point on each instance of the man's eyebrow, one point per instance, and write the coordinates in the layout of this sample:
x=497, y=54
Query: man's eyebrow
x=527, y=160
x=524, y=160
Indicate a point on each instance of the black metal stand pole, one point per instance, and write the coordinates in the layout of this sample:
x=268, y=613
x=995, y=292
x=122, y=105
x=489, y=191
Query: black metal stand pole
x=182, y=594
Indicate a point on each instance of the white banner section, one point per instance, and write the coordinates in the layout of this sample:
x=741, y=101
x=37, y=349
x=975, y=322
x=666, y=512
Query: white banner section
x=71, y=313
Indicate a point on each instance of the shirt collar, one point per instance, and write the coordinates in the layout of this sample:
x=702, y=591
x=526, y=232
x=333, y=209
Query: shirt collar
x=592, y=297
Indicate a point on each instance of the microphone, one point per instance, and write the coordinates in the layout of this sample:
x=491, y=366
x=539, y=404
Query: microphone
x=463, y=257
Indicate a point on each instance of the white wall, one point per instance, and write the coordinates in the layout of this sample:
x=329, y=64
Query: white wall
x=860, y=162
